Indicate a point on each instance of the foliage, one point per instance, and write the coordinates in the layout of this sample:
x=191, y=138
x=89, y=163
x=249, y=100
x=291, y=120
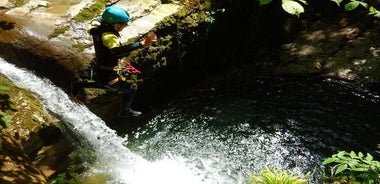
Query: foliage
x=295, y=7
x=64, y=178
x=5, y=119
x=186, y=28
x=272, y=176
x=290, y=6
x=354, y=167
x=90, y=12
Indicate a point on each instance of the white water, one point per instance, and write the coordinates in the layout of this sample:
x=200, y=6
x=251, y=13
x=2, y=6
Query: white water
x=113, y=158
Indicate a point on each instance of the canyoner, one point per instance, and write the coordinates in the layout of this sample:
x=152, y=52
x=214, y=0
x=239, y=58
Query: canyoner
x=110, y=69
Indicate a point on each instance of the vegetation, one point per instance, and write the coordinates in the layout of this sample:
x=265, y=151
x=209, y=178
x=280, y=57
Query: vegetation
x=272, y=176
x=344, y=168
x=351, y=167
x=295, y=7
x=18, y=3
x=187, y=28
x=90, y=12
x=58, y=31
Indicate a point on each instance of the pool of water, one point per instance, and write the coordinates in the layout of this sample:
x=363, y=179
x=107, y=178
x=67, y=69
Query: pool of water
x=225, y=135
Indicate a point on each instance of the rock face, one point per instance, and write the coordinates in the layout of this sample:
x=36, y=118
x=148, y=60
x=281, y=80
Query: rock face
x=345, y=47
x=32, y=146
x=43, y=35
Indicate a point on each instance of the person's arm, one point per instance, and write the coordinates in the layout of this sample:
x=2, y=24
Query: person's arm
x=112, y=42
x=125, y=50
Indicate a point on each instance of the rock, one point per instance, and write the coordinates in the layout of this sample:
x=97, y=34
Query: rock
x=32, y=146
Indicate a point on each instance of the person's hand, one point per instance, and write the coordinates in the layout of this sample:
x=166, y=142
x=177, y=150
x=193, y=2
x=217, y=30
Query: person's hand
x=149, y=38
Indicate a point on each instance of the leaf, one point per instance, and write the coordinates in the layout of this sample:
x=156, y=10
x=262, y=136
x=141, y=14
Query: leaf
x=353, y=163
x=351, y=5
x=360, y=155
x=372, y=10
x=353, y=154
x=365, y=5
x=328, y=161
x=341, y=153
x=369, y=157
x=337, y=2
x=292, y=7
x=341, y=168
x=303, y=1
x=360, y=169
x=264, y=2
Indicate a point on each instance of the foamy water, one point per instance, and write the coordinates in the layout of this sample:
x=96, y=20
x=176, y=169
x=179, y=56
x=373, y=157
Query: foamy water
x=113, y=157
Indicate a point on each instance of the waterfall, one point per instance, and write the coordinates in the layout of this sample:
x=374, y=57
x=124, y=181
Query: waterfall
x=113, y=158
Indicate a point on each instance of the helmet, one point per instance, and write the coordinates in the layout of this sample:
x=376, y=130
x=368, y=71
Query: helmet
x=115, y=14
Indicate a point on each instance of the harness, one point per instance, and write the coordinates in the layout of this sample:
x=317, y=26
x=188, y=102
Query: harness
x=126, y=72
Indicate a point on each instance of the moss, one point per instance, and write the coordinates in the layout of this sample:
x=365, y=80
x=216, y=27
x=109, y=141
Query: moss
x=80, y=46
x=18, y=3
x=91, y=12
x=58, y=31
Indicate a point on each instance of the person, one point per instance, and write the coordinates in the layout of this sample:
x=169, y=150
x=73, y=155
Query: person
x=111, y=69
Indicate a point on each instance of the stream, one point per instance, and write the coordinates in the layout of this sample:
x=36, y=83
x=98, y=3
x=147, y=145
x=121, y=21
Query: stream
x=222, y=136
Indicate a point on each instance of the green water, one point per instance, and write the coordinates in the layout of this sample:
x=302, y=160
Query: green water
x=225, y=135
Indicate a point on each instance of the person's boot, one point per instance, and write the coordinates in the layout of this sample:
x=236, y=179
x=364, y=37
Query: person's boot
x=130, y=113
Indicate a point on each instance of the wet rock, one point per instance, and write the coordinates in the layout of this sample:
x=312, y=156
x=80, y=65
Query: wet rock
x=32, y=146
x=341, y=47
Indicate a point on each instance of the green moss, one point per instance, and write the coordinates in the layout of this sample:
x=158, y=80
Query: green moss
x=91, y=12
x=4, y=88
x=80, y=46
x=58, y=31
x=18, y=3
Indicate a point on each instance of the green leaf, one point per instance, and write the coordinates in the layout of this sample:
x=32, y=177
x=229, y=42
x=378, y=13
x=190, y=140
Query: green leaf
x=351, y=5
x=264, y=2
x=341, y=168
x=328, y=161
x=303, y=1
x=360, y=155
x=353, y=154
x=337, y=2
x=341, y=153
x=365, y=5
x=360, y=169
x=353, y=163
x=292, y=7
x=369, y=157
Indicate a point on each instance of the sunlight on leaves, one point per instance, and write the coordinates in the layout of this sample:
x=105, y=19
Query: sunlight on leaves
x=292, y=7
x=337, y=2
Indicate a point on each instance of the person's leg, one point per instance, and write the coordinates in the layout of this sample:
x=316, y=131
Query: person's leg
x=126, y=102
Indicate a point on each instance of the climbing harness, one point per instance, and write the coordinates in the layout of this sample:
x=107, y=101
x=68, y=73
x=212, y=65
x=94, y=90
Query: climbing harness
x=126, y=72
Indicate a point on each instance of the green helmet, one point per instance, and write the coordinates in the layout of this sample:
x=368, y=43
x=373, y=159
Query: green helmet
x=115, y=14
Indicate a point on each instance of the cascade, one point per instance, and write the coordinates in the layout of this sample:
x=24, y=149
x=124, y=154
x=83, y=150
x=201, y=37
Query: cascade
x=113, y=158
